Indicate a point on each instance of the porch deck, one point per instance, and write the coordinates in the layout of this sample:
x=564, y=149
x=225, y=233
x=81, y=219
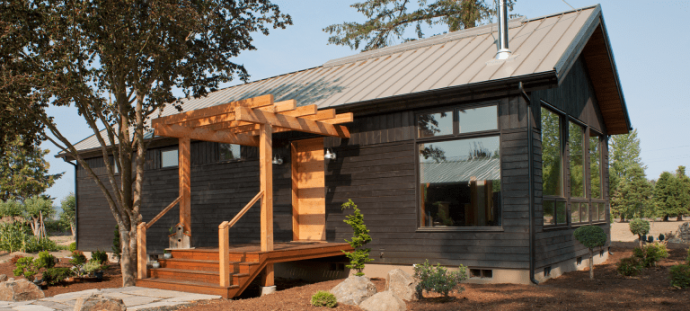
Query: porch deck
x=197, y=270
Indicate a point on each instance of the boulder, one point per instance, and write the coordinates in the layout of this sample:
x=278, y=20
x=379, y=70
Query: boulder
x=354, y=290
x=384, y=301
x=402, y=284
x=684, y=232
x=3, y=277
x=19, y=290
x=96, y=302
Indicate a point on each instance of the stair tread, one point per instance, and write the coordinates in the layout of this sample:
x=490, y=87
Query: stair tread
x=194, y=271
x=185, y=282
x=208, y=261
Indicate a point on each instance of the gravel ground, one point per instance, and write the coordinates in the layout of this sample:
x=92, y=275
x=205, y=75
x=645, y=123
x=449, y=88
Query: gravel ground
x=620, y=231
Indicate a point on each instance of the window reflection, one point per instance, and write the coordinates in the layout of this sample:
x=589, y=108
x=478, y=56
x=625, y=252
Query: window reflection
x=577, y=164
x=478, y=119
x=552, y=169
x=229, y=152
x=169, y=158
x=595, y=165
x=460, y=182
x=435, y=124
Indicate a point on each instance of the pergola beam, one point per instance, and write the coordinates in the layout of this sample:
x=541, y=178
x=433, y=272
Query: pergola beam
x=291, y=123
x=254, y=102
x=206, y=135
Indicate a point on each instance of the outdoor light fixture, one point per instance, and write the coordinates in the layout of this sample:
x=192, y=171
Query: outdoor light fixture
x=329, y=155
x=277, y=160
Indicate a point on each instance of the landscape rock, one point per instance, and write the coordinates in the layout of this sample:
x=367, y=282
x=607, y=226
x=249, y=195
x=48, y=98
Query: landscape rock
x=3, y=277
x=96, y=302
x=354, y=290
x=384, y=301
x=19, y=290
x=684, y=232
x=402, y=284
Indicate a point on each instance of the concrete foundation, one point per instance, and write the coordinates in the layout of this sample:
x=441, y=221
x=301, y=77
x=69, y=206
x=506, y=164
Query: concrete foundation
x=267, y=290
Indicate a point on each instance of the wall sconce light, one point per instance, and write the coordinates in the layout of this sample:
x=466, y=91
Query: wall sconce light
x=277, y=160
x=329, y=155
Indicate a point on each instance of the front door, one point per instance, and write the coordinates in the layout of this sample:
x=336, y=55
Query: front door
x=308, y=191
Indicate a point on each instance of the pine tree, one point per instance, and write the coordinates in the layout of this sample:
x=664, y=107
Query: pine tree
x=684, y=195
x=634, y=198
x=360, y=237
x=387, y=20
x=670, y=196
x=624, y=158
x=23, y=171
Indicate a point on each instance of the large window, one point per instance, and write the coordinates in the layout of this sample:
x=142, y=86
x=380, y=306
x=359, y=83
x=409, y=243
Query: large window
x=458, y=153
x=596, y=176
x=229, y=152
x=576, y=144
x=553, y=203
x=169, y=158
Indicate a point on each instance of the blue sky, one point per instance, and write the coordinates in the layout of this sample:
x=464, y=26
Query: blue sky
x=650, y=49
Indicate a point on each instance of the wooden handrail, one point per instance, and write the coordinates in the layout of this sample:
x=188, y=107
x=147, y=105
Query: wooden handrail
x=150, y=223
x=245, y=209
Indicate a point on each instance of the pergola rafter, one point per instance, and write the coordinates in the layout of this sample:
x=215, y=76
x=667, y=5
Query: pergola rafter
x=248, y=122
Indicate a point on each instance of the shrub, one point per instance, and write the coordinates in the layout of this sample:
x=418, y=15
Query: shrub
x=100, y=256
x=650, y=254
x=323, y=299
x=590, y=237
x=15, y=259
x=360, y=237
x=680, y=276
x=630, y=266
x=688, y=259
x=53, y=276
x=45, y=260
x=78, y=258
x=437, y=278
x=33, y=245
x=639, y=227
x=26, y=267
x=91, y=266
x=13, y=236
x=72, y=247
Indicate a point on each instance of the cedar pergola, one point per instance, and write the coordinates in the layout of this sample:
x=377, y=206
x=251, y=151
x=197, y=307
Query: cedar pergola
x=248, y=122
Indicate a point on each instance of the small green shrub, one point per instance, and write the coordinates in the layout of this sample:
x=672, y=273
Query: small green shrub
x=437, y=278
x=639, y=227
x=630, y=266
x=651, y=253
x=323, y=299
x=26, y=267
x=688, y=259
x=100, y=256
x=680, y=276
x=54, y=276
x=91, y=266
x=72, y=247
x=45, y=260
x=78, y=258
x=361, y=236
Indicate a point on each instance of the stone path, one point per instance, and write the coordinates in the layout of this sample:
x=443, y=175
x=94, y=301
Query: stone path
x=135, y=298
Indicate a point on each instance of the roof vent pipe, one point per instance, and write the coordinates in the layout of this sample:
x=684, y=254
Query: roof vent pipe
x=503, y=51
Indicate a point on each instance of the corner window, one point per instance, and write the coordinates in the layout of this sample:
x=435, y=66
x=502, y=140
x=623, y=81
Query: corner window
x=576, y=144
x=595, y=169
x=579, y=212
x=169, y=158
x=460, y=176
x=554, y=201
x=229, y=152
x=554, y=212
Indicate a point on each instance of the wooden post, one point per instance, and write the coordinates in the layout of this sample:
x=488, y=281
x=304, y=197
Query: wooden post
x=142, y=258
x=224, y=254
x=295, y=189
x=267, y=276
x=266, y=168
x=184, y=171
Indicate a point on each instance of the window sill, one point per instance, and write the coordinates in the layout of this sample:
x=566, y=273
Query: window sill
x=460, y=229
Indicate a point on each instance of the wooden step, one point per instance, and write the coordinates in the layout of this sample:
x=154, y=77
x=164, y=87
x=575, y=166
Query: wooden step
x=203, y=254
x=212, y=277
x=189, y=286
x=205, y=265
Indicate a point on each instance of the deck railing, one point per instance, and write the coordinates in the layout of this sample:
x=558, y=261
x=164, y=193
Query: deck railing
x=142, y=258
x=224, y=241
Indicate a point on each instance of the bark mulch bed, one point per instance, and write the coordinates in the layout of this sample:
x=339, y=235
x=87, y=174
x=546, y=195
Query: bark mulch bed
x=650, y=290
x=111, y=278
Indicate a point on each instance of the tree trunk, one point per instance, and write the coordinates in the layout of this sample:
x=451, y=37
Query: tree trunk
x=680, y=217
x=639, y=238
x=128, y=258
x=591, y=264
x=665, y=217
x=74, y=230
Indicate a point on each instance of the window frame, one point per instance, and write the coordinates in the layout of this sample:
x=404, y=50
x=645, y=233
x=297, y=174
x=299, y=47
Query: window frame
x=603, y=199
x=453, y=137
x=160, y=155
x=563, y=119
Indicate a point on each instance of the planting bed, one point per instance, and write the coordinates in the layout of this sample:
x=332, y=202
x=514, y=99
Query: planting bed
x=572, y=291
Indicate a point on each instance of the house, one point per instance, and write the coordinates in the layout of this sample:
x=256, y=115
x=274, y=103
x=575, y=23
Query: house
x=452, y=155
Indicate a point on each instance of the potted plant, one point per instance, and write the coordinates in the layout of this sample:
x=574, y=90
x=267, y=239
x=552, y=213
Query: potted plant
x=167, y=254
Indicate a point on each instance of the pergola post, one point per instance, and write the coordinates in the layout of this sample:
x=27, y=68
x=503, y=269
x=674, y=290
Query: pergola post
x=266, y=179
x=184, y=170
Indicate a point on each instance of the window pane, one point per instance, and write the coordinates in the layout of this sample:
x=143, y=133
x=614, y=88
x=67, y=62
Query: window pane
x=229, y=152
x=561, y=217
x=584, y=212
x=574, y=212
x=435, y=124
x=551, y=153
x=595, y=165
x=460, y=183
x=602, y=211
x=478, y=119
x=169, y=158
x=549, y=214
x=577, y=164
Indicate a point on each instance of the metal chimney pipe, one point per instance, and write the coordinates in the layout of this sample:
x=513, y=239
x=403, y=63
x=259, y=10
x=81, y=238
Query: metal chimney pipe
x=503, y=51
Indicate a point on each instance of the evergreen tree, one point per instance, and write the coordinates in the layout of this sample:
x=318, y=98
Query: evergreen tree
x=387, y=20
x=23, y=171
x=624, y=158
x=684, y=185
x=68, y=215
x=670, y=197
x=634, y=198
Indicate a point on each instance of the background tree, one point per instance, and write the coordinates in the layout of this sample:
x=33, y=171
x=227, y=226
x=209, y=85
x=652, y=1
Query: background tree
x=670, y=196
x=37, y=209
x=118, y=63
x=634, y=198
x=387, y=20
x=684, y=181
x=68, y=215
x=23, y=171
x=625, y=164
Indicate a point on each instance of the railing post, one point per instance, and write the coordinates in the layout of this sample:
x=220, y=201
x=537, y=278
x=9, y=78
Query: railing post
x=142, y=258
x=224, y=254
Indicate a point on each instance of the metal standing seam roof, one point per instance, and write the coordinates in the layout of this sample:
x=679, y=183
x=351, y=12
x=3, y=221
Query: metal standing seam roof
x=459, y=58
